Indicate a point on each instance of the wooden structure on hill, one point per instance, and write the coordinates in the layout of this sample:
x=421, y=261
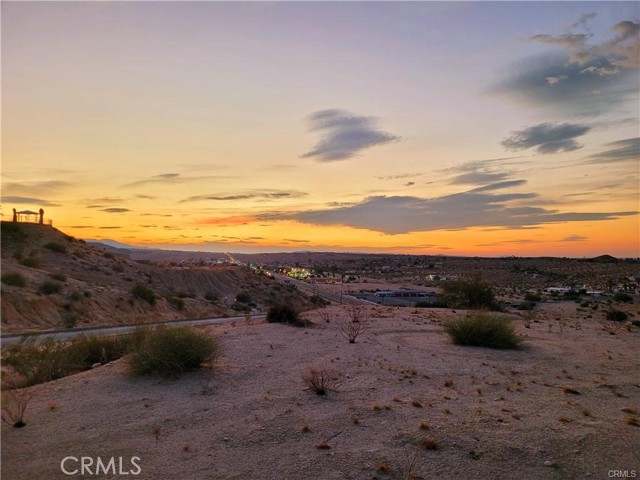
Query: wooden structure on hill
x=29, y=216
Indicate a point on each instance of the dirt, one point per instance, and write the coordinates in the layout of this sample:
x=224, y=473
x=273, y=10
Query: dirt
x=410, y=404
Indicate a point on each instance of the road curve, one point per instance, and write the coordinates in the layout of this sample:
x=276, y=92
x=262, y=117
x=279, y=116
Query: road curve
x=62, y=335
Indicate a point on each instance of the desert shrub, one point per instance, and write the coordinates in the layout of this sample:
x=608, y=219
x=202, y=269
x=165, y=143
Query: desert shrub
x=37, y=362
x=285, y=313
x=532, y=297
x=483, y=329
x=212, y=297
x=13, y=278
x=49, y=288
x=176, y=302
x=243, y=297
x=84, y=351
x=56, y=247
x=473, y=293
x=616, y=315
x=143, y=292
x=241, y=307
x=14, y=404
x=318, y=300
x=75, y=296
x=622, y=297
x=322, y=380
x=526, y=305
x=69, y=321
x=172, y=351
x=31, y=262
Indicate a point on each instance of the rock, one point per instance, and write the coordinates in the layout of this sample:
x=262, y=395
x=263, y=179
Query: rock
x=96, y=365
x=550, y=463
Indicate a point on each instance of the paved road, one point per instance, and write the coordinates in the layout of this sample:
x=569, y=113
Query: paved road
x=61, y=335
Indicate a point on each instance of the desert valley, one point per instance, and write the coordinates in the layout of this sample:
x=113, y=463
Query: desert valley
x=402, y=400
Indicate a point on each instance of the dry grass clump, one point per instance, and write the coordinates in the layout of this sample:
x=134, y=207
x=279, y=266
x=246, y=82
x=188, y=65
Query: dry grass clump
x=172, y=351
x=483, y=329
x=321, y=380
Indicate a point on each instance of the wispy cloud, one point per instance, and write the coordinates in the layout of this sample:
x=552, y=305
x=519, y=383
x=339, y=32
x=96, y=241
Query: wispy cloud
x=574, y=238
x=474, y=208
x=619, y=151
x=115, y=210
x=172, y=179
x=227, y=221
x=44, y=188
x=579, y=76
x=29, y=200
x=547, y=138
x=247, y=195
x=344, y=135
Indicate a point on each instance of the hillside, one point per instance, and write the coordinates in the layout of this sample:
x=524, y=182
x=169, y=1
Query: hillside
x=51, y=280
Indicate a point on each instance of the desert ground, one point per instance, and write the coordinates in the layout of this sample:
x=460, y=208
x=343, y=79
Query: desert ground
x=409, y=404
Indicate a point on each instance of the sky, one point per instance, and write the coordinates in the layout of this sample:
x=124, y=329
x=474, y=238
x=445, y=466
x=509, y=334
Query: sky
x=455, y=128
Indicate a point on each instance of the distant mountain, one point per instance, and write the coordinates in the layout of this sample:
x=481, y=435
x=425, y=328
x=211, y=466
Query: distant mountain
x=605, y=259
x=113, y=244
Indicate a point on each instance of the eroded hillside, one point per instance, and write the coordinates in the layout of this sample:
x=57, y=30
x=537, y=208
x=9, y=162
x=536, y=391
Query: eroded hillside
x=51, y=280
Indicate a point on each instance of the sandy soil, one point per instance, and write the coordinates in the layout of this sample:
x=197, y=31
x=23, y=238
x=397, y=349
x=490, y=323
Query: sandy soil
x=491, y=414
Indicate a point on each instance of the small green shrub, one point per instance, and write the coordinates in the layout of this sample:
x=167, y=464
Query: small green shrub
x=616, y=315
x=483, y=329
x=56, y=247
x=84, y=351
x=285, y=313
x=49, y=288
x=172, y=351
x=472, y=293
x=526, y=305
x=243, y=297
x=37, y=363
x=176, y=302
x=143, y=292
x=622, y=297
x=50, y=360
x=241, y=307
x=532, y=297
x=13, y=278
x=31, y=262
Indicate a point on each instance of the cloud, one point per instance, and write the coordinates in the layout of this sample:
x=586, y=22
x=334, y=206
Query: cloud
x=574, y=238
x=172, y=179
x=228, y=221
x=400, y=176
x=403, y=214
x=344, y=135
x=409, y=184
x=249, y=195
x=48, y=187
x=547, y=138
x=577, y=75
x=109, y=228
x=620, y=151
x=28, y=200
x=115, y=210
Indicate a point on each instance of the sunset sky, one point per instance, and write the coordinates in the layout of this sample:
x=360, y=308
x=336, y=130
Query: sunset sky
x=506, y=128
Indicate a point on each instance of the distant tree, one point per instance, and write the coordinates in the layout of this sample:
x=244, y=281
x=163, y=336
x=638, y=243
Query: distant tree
x=470, y=293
